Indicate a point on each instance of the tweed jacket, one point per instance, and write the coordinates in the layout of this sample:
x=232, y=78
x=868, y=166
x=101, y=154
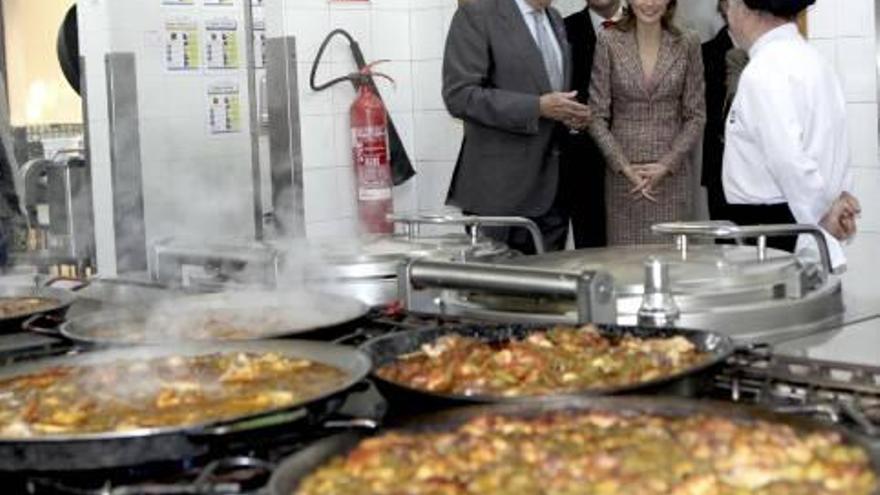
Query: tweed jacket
x=641, y=120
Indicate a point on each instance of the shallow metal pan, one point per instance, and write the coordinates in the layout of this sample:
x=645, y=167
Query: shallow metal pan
x=60, y=453
x=302, y=314
x=62, y=299
x=386, y=349
x=286, y=479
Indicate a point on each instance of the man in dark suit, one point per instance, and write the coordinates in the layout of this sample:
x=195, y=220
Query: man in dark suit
x=583, y=166
x=718, y=99
x=507, y=75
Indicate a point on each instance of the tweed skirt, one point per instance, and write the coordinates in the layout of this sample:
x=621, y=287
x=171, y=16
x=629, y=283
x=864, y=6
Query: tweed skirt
x=630, y=218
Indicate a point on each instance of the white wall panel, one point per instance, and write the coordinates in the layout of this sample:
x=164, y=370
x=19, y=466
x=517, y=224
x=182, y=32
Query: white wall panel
x=862, y=129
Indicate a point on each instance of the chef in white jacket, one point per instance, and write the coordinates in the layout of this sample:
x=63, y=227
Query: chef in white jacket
x=786, y=157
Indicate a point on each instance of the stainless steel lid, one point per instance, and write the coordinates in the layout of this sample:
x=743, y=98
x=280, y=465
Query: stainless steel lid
x=374, y=257
x=743, y=290
x=438, y=237
x=707, y=272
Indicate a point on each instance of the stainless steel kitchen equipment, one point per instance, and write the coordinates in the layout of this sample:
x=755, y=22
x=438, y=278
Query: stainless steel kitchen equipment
x=364, y=267
x=747, y=292
x=368, y=268
x=58, y=201
x=206, y=265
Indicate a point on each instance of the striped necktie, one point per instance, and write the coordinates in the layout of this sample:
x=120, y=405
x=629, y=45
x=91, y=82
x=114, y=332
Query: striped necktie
x=545, y=45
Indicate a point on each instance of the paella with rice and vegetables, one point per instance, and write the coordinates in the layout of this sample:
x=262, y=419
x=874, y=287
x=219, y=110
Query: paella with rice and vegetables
x=557, y=361
x=173, y=391
x=593, y=452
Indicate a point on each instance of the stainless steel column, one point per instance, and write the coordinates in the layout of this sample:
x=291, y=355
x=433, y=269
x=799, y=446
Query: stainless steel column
x=253, y=118
x=88, y=221
x=285, y=140
x=125, y=163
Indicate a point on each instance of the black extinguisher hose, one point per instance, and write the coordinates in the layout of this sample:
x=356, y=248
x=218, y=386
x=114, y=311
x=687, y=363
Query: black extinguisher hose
x=401, y=166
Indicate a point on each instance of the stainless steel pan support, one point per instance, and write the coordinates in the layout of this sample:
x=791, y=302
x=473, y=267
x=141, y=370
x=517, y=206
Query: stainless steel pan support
x=422, y=283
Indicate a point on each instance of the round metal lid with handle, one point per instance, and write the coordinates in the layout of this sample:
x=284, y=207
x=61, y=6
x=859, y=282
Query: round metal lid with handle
x=748, y=290
x=380, y=256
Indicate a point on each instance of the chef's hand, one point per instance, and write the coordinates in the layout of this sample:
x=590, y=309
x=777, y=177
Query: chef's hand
x=840, y=220
x=563, y=107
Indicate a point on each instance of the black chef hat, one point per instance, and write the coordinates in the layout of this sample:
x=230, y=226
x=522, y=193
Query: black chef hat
x=780, y=8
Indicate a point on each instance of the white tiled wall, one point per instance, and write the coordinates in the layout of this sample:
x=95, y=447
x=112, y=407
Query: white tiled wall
x=409, y=33
x=195, y=184
x=845, y=33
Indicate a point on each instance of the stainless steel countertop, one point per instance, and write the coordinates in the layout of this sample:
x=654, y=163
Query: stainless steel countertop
x=855, y=340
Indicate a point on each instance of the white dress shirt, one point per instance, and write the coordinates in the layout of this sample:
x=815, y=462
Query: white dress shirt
x=785, y=136
x=527, y=13
x=597, y=19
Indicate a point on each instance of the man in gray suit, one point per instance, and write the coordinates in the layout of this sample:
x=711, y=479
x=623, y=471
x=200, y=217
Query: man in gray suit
x=506, y=73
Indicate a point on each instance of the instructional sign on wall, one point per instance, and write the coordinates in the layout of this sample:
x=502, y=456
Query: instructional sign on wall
x=224, y=108
x=221, y=44
x=181, y=44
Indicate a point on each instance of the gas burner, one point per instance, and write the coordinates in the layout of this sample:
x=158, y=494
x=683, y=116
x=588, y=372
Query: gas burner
x=237, y=475
x=840, y=393
x=390, y=319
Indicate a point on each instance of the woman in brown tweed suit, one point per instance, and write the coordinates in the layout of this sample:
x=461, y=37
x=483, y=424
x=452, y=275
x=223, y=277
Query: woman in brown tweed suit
x=649, y=112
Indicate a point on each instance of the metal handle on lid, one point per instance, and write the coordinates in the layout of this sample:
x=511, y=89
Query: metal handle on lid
x=727, y=230
x=658, y=305
x=413, y=222
x=593, y=291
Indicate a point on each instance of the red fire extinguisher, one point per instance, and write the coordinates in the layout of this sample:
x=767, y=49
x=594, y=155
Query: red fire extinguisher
x=372, y=163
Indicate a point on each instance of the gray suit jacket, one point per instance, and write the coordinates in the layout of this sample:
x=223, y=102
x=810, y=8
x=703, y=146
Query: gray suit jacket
x=493, y=76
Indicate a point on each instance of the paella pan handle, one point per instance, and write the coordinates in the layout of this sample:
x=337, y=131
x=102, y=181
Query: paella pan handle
x=281, y=419
x=225, y=429
x=412, y=224
x=31, y=325
x=726, y=230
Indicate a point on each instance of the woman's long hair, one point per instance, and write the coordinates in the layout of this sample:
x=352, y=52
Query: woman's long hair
x=628, y=21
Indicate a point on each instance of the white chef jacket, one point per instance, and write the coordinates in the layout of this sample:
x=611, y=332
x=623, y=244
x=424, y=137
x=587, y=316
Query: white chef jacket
x=526, y=11
x=785, y=136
